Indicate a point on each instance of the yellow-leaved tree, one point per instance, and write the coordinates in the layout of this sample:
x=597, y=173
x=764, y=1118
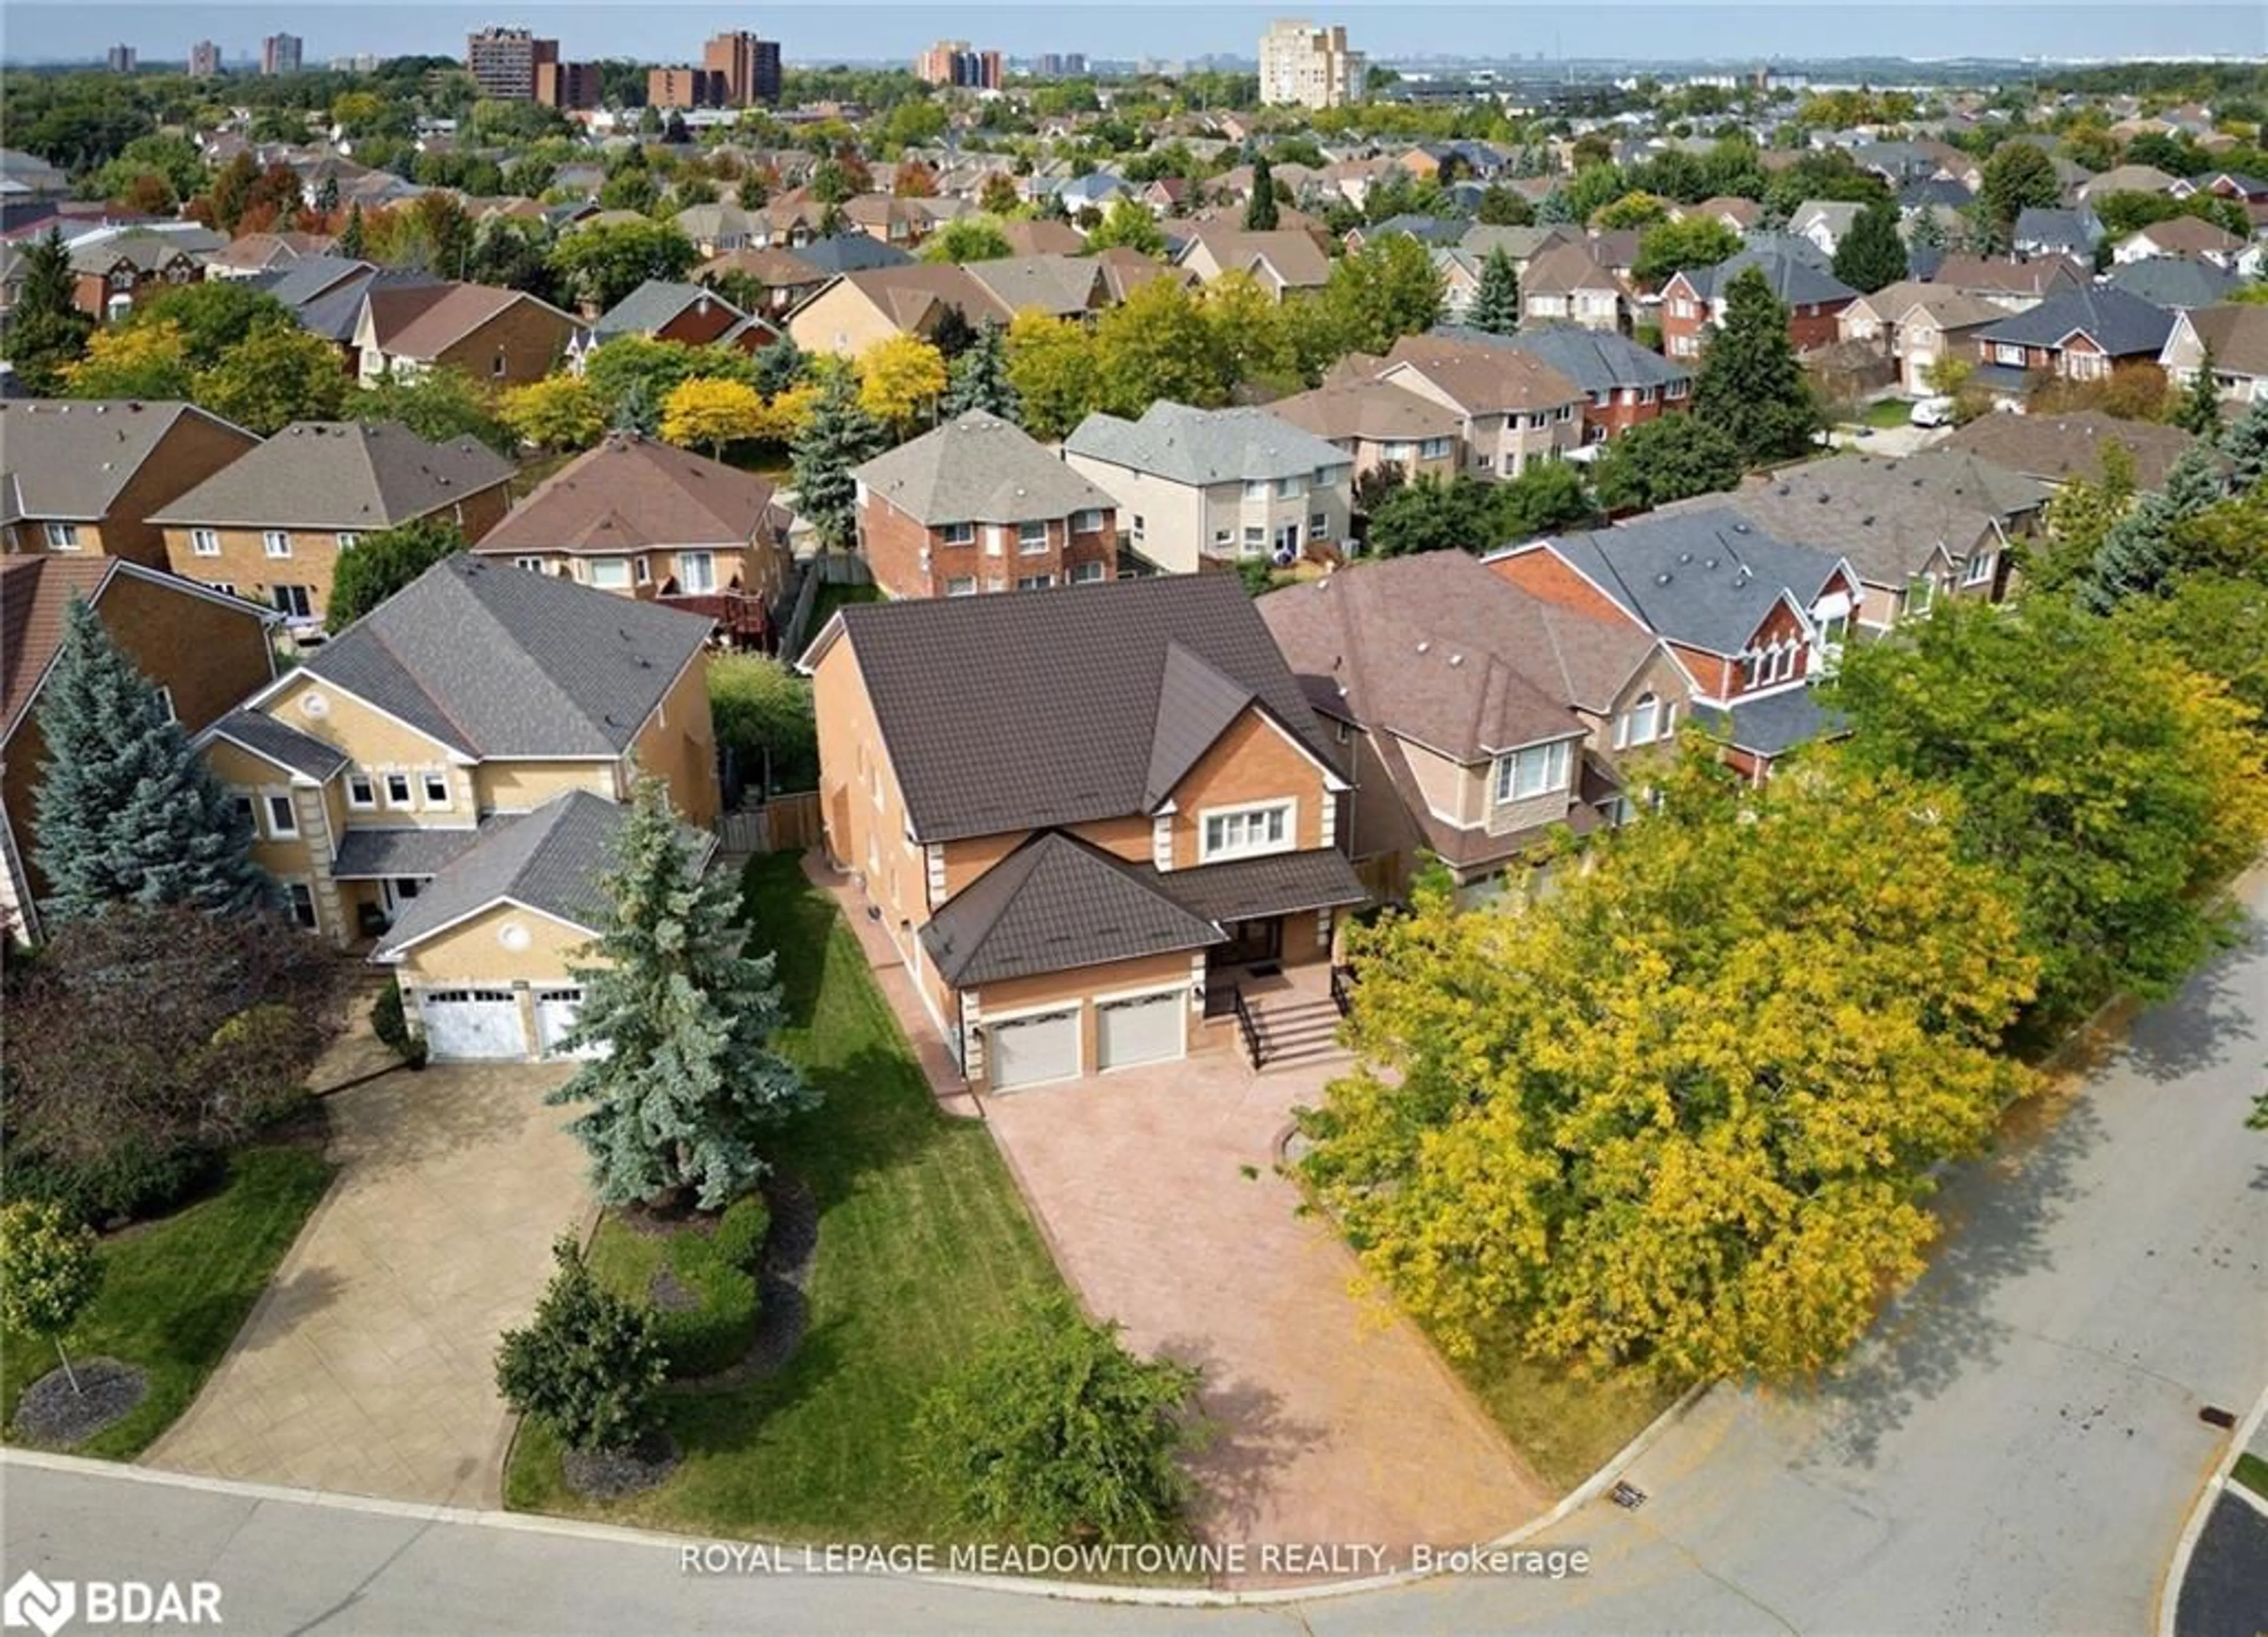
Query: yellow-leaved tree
x=711, y=411
x=558, y=412
x=1051, y=365
x=788, y=411
x=1681, y=1114
x=900, y=380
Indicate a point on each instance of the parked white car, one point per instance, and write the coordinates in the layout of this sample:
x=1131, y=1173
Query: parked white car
x=1934, y=412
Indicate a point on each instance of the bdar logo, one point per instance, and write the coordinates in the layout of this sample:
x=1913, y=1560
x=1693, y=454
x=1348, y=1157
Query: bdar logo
x=32, y=1601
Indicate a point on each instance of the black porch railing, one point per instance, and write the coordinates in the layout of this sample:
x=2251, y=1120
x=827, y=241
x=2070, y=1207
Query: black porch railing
x=1247, y=1026
x=1343, y=990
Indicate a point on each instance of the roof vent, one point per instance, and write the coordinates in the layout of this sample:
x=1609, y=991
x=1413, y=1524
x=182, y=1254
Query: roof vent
x=1708, y=563
x=1740, y=529
x=1456, y=659
x=1685, y=556
x=1662, y=578
x=1867, y=522
x=1424, y=647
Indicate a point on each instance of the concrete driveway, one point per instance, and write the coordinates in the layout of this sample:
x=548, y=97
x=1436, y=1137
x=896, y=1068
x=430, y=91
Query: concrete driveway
x=1341, y=1424
x=368, y=1366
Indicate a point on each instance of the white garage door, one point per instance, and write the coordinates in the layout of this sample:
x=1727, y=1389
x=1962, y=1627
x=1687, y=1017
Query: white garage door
x=1032, y=1050
x=1145, y=1029
x=556, y=1010
x=464, y=1024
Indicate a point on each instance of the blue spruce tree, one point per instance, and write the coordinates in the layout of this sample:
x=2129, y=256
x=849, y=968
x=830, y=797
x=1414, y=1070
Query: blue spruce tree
x=128, y=812
x=689, y=1080
x=979, y=378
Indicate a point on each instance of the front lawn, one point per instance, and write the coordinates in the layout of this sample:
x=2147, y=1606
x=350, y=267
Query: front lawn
x=923, y=1243
x=2252, y=1472
x=175, y=1292
x=1887, y=413
x=1566, y=1426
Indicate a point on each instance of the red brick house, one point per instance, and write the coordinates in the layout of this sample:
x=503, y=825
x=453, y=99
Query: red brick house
x=976, y=505
x=1693, y=300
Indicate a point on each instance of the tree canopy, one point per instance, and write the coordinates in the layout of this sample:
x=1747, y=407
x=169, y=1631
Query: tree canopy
x=1750, y=383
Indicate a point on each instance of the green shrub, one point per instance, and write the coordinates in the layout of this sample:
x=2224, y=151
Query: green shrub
x=131, y=1179
x=718, y=1268
x=390, y=1022
x=588, y=1365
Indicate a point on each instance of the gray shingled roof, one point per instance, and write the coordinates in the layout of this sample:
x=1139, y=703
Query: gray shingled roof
x=1775, y=724
x=71, y=459
x=978, y=468
x=1033, y=709
x=2122, y=325
x=281, y=744
x=378, y=854
x=1596, y=360
x=300, y=282
x=2041, y=227
x=2174, y=281
x=652, y=305
x=495, y=662
x=552, y=860
x=340, y=475
x=1055, y=904
x=1706, y=576
x=1201, y=447
x=1794, y=278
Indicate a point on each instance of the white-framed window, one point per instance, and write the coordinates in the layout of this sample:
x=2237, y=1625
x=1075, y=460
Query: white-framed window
x=303, y=903
x=1834, y=631
x=961, y=586
x=204, y=542
x=2008, y=352
x=292, y=601
x=397, y=789
x=1256, y=543
x=1255, y=489
x=1319, y=523
x=1291, y=488
x=696, y=571
x=1640, y=724
x=957, y=534
x=362, y=793
x=1035, y=582
x=1088, y=522
x=1564, y=412
x=1137, y=528
x=496, y=369
x=1031, y=538
x=1401, y=452
x=1086, y=573
x=1434, y=449
x=1675, y=390
x=61, y=536
x=348, y=540
x=534, y=565
x=644, y=572
x=610, y=573
x=1978, y=569
x=275, y=542
x=1921, y=592
x=226, y=588
x=1247, y=831
x=436, y=789
x=283, y=817
x=1533, y=771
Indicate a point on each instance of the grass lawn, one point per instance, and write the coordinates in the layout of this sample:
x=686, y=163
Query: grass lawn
x=2252, y=1472
x=175, y=1291
x=832, y=596
x=1887, y=413
x=923, y=1243
x=1567, y=1427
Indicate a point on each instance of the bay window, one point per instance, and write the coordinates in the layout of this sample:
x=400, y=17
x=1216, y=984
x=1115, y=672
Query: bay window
x=1533, y=771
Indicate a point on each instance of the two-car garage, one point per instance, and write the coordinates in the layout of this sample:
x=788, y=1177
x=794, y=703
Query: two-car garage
x=491, y=1025
x=1050, y=1047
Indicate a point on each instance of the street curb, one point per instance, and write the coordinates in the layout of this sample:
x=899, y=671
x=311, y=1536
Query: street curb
x=2178, y=1567
x=1068, y=1591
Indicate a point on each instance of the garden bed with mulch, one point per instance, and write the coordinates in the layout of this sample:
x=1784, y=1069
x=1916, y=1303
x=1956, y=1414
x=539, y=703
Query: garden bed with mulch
x=55, y=1413
x=610, y=1474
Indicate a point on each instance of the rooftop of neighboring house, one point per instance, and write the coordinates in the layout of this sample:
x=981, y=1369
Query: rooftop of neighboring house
x=67, y=460
x=654, y=304
x=1057, y=284
x=1835, y=214
x=2056, y=448
x=36, y=591
x=1706, y=576
x=715, y=220
x=851, y=253
x=978, y=468
x=2041, y=227
x=1746, y=212
x=631, y=492
x=1521, y=244
x=772, y=267
x=1795, y=279
x=910, y=292
x=1564, y=268
x=1040, y=236
x=425, y=320
x=1126, y=269
x=1204, y=447
x=1089, y=704
x=2008, y=276
x=1378, y=411
x=2188, y=235
x=2238, y=335
x=2122, y=325
x=2127, y=179
x=496, y=661
x=355, y=476
x=1437, y=649
x=1950, y=309
x=146, y=250
x=263, y=251
x=1483, y=379
x=1597, y=360
x=1884, y=517
x=2174, y=281
x=1291, y=252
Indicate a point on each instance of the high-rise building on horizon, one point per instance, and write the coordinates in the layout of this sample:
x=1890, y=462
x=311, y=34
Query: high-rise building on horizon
x=1304, y=66
x=955, y=63
x=204, y=60
x=359, y=62
x=569, y=87
x=750, y=65
x=502, y=62
x=123, y=59
x=281, y=54
x=1060, y=64
x=685, y=87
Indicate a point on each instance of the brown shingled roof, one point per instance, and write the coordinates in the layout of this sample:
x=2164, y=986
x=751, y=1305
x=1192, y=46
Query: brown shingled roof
x=1483, y=379
x=630, y=493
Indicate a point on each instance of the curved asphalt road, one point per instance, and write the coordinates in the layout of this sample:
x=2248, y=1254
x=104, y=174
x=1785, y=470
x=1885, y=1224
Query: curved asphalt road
x=2015, y=1449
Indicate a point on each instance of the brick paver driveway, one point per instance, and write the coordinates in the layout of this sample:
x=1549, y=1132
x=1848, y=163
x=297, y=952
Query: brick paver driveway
x=369, y=1365
x=1340, y=1426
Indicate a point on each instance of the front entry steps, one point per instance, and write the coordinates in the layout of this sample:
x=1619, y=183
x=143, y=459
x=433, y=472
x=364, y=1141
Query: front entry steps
x=1298, y=1033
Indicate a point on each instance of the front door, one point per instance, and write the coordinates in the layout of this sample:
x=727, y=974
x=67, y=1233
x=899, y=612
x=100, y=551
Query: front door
x=1250, y=942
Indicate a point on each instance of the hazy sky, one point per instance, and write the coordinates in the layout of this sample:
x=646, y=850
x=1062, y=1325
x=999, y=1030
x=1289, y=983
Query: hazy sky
x=1128, y=28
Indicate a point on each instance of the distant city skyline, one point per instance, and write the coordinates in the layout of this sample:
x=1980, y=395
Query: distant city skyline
x=1692, y=30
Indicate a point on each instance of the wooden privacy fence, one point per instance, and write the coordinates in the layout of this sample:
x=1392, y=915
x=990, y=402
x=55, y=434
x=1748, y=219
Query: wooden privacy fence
x=784, y=824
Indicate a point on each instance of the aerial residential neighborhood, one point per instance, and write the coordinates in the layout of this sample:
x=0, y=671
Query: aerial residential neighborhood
x=892, y=819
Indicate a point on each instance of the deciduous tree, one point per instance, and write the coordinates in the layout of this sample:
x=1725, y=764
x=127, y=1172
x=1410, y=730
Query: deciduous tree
x=900, y=380
x=1157, y=344
x=51, y=1273
x=707, y=412
x=2017, y=177
x=970, y=238
x=1681, y=1114
x=1051, y=365
x=378, y=565
x=273, y=377
x=603, y=264
x=689, y=1080
x=1657, y=462
x=131, y=361
x=1129, y=224
x=437, y=405
x=559, y=412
